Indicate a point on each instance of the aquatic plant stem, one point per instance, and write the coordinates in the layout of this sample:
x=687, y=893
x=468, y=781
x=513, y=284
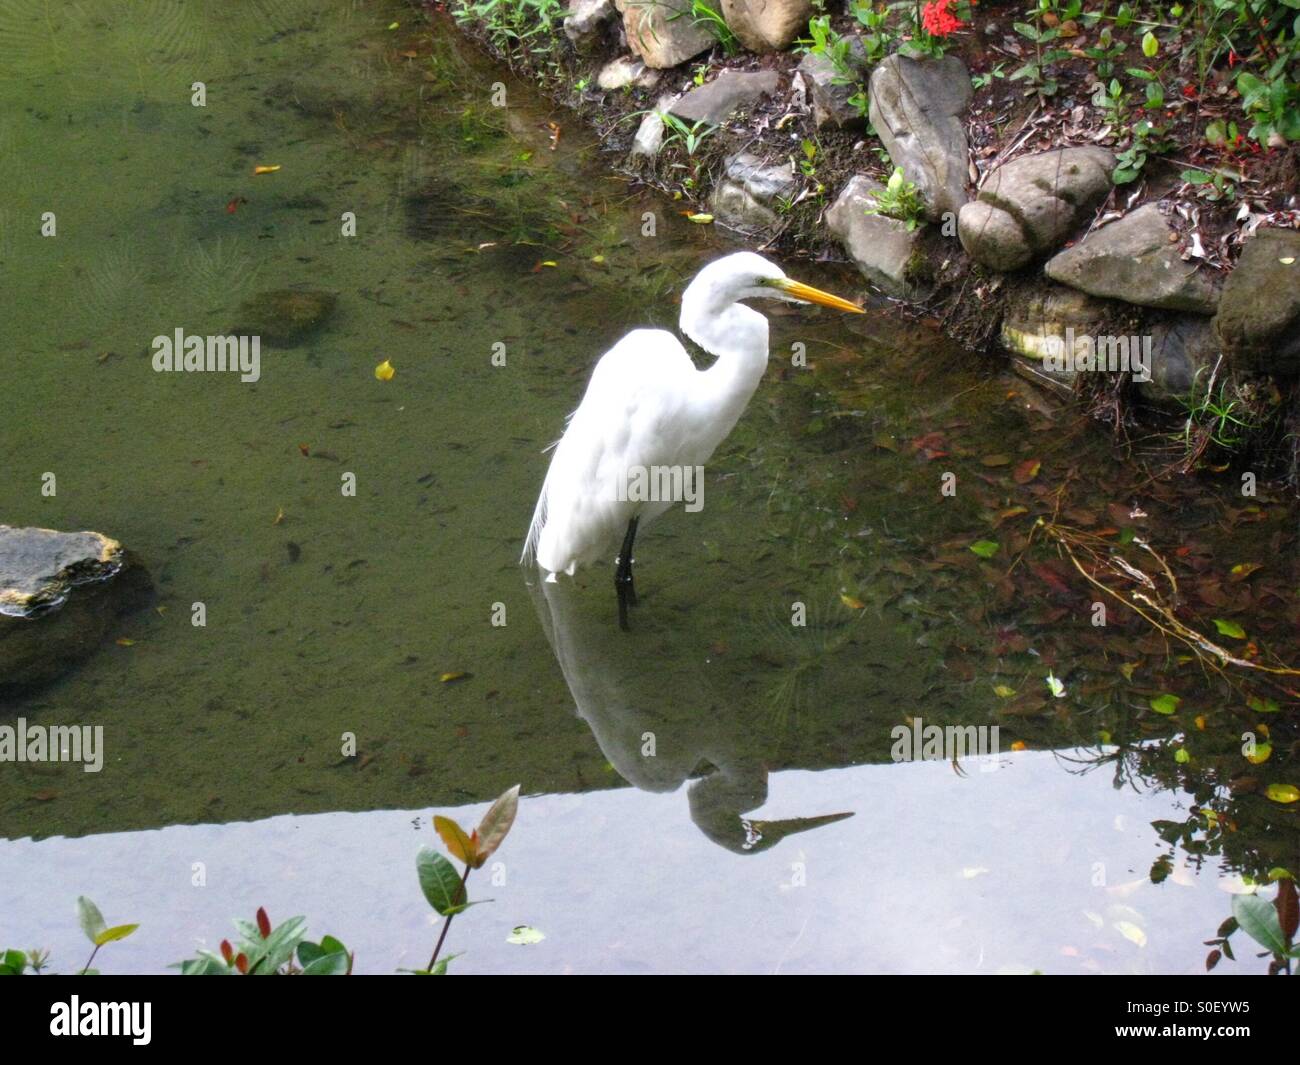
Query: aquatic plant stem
x=86, y=969
x=445, y=924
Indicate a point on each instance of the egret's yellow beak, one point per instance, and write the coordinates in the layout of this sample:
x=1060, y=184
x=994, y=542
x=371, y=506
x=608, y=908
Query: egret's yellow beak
x=808, y=294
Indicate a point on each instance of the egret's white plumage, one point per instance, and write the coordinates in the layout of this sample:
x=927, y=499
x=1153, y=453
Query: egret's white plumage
x=647, y=406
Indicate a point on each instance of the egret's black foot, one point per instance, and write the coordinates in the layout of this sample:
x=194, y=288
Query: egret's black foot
x=623, y=582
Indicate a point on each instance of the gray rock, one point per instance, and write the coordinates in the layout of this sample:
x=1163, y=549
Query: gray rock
x=828, y=90
x=663, y=33
x=626, y=71
x=881, y=247
x=732, y=89
x=1136, y=259
x=1259, y=314
x=1027, y=207
x=59, y=595
x=918, y=107
x=766, y=25
x=1180, y=349
x=750, y=189
x=585, y=23
x=650, y=134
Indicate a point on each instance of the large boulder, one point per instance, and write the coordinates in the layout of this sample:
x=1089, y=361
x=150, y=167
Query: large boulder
x=883, y=248
x=59, y=596
x=1258, y=322
x=1136, y=259
x=767, y=25
x=585, y=23
x=663, y=33
x=918, y=107
x=750, y=191
x=828, y=89
x=729, y=91
x=1027, y=207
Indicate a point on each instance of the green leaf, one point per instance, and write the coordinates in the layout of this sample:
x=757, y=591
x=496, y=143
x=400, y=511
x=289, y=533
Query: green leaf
x=1165, y=703
x=1258, y=919
x=985, y=548
x=1229, y=628
x=1181, y=756
x=1196, y=177
x=92, y=921
x=333, y=964
x=1150, y=46
x=1263, y=706
x=438, y=880
x=112, y=935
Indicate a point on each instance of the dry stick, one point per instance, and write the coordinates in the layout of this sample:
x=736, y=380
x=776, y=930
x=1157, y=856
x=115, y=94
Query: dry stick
x=1168, y=624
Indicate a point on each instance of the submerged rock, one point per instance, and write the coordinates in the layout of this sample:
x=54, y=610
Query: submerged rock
x=918, y=107
x=1136, y=259
x=585, y=23
x=1259, y=313
x=1028, y=206
x=1180, y=350
x=663, y=33
x=728, y=92
x=883, y=248
x=1036, y=329
x=766, y=25
x=59, y=595
x=285, y=317
x=750, y=191
x=828, y=90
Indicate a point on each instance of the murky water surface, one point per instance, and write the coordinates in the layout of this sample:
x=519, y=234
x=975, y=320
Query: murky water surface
x=725, y=796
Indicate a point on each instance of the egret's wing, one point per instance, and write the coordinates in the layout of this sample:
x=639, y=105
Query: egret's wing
x=632, y=396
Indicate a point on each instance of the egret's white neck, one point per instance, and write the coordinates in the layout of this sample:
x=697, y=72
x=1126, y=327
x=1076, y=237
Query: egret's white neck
x=737, y=335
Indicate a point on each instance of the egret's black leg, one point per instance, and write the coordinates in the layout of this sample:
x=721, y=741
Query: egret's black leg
x=623, y=576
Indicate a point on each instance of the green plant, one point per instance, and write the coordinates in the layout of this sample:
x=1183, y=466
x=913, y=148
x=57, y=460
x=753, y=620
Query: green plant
x=1272, y=102
x=523, y=28
x=443, y=887
x=263, y=950
x=1214, y=415
x=713, y=21
x=690, y=137
x=899, y=199
x=874, y=18
x=982, y=81
x=807, y=165
x=97, y=930
x=1273, y=925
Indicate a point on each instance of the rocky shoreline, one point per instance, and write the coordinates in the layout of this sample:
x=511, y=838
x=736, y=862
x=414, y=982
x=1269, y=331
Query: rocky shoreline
x=1135, y=296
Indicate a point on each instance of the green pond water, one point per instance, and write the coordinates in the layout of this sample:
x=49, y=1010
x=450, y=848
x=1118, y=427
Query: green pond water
x=329, y=615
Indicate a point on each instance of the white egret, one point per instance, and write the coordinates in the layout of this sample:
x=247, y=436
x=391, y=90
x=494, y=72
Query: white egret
x=647, y=408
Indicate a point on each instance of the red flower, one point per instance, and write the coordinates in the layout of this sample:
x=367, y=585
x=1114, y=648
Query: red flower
x=1189, y=91
x=937, y=20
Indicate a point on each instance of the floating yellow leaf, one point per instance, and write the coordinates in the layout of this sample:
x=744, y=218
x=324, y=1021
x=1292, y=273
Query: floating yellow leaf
x=550, y=262
x=1282, y=792
x=1019, y=745
x=1003, y=692
x=454, y=675
x=1200, y=722
x=852, y=601
x=1131, y=932
x=279, y=516
x=266, y=169
x=700, y=219
x=598, y=259
x=384, y=371
x=1260, y=754
x=124, y=642
x=1287, y=260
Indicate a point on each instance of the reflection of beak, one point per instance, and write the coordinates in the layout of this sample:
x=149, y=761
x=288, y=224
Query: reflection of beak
x=808, y=294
